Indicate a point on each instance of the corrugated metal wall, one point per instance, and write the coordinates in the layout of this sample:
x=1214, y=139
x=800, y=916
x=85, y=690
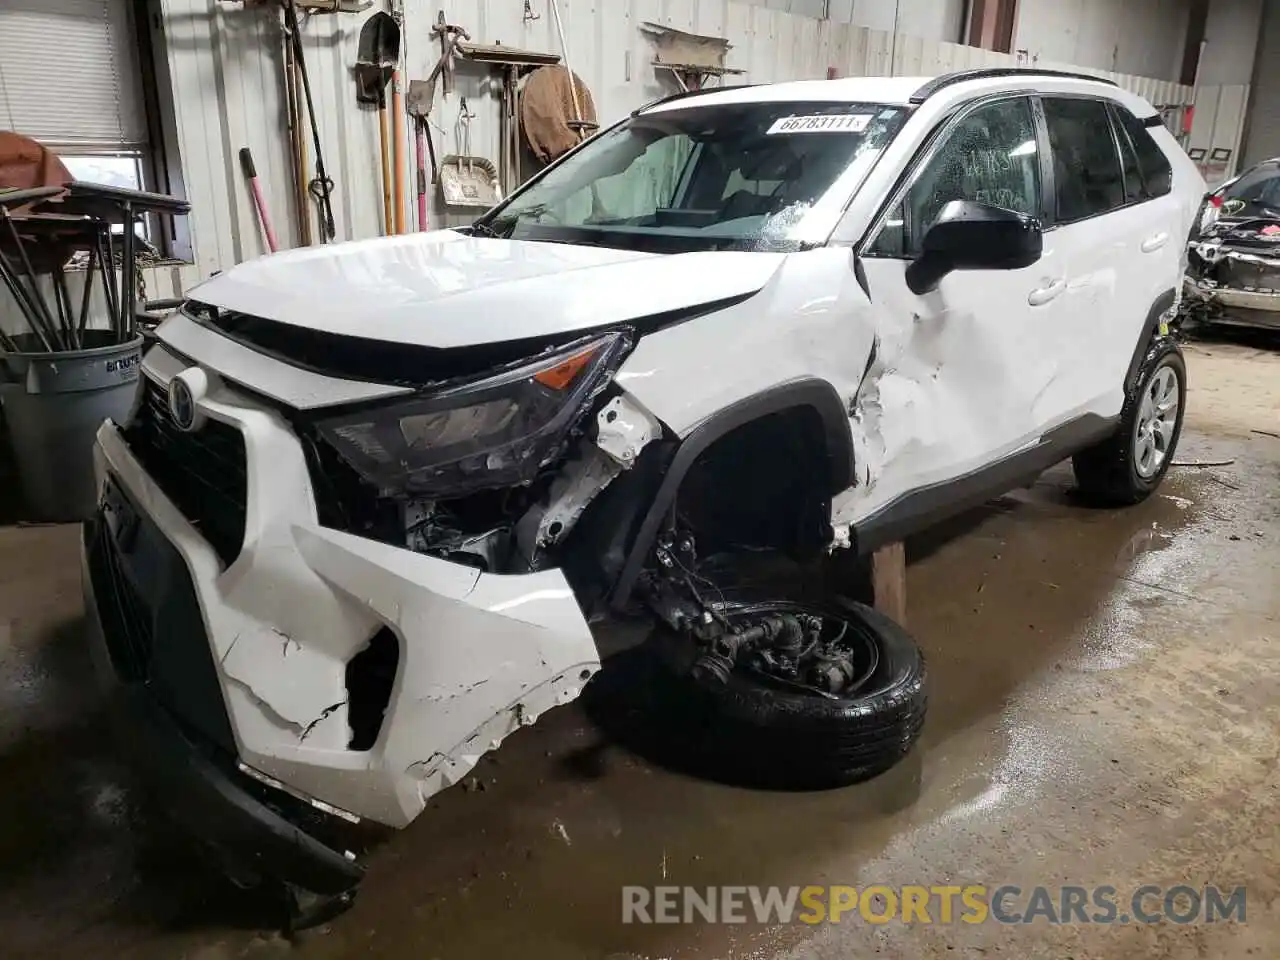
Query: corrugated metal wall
x=932, y=19
x=225, y=63
x=803, y=8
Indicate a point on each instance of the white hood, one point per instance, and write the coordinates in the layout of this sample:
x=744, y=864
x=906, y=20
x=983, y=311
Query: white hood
x=443, y=289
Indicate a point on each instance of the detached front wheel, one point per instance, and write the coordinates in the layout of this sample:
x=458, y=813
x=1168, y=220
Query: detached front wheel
x=765, y=717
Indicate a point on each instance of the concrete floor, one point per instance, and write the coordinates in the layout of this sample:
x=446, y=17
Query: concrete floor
x=1105, y=708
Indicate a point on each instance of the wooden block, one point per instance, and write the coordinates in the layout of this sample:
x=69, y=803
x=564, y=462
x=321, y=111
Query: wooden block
x=889, y=581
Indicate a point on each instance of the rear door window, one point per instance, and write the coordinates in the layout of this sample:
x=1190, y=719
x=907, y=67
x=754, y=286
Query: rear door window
x=1157, y=174
x=1088, y=179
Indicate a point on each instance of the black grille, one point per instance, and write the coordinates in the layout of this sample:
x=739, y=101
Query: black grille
x=346, y=502
x=151, y=623
x=202, y=472
x=127, y=622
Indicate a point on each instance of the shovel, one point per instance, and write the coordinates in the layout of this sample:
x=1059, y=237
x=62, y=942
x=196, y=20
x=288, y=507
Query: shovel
x=421, y=95
x=377, y=56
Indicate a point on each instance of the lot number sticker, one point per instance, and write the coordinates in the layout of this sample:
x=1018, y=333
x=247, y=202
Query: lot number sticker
x=828, y=123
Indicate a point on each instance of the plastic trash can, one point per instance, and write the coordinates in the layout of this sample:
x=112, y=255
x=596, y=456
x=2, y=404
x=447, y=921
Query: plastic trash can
x=53, y=406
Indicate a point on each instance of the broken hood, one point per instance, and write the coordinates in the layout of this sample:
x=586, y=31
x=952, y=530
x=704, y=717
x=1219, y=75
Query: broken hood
x=444, y=289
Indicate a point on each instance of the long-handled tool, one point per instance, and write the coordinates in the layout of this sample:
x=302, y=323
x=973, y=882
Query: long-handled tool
x=418, y=102
x=397, y=117
x=377, y=55
x=384, y=147
x=251, y=174
x=577, y=125
x=320, y=186
x=421, y=98
x=297, y=140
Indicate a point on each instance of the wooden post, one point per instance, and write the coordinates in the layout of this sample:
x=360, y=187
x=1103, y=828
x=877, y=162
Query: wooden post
x=889, y=581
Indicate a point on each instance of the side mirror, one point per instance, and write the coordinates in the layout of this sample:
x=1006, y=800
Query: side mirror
x=969, y=235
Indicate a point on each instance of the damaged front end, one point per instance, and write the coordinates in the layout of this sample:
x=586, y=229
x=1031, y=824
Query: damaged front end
x=1233, y=274
x=1233, y=258
x=491, y=474
x=325, y=616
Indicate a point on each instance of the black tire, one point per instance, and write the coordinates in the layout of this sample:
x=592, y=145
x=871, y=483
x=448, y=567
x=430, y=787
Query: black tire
x=749, y=732
x=1107, y=473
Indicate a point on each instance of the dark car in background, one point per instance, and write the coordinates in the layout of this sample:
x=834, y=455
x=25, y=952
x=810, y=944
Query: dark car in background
x=1233, y=257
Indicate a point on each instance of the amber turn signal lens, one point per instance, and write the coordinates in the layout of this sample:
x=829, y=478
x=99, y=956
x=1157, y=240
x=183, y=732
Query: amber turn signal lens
x=564, y=372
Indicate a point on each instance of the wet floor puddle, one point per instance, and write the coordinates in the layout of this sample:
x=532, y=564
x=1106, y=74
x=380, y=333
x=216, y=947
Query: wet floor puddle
x=529, y=858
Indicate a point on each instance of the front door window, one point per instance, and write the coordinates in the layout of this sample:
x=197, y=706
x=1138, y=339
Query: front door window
x=991, y=156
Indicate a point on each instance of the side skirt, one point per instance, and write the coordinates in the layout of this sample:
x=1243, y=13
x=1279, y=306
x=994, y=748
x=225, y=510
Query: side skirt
x=923, y=508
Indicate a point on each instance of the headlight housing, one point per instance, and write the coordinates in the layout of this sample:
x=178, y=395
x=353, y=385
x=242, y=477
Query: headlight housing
x=496, y=432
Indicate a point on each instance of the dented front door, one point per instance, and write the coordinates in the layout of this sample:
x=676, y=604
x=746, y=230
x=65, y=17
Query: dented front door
x=964, y=375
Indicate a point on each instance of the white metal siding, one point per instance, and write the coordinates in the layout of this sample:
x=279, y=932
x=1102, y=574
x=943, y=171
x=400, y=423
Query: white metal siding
x=225, y=66
x=930, y=19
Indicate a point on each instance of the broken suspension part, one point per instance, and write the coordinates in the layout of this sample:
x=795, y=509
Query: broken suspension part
x=796, y=647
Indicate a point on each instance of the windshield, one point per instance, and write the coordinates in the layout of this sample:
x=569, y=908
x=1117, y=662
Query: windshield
x=749, y=176
x=1255, y=194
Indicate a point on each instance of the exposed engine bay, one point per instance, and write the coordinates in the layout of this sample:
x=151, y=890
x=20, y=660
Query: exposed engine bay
x=516, y=529
x=525, y=527
x=1233, y=263
x=515, y=474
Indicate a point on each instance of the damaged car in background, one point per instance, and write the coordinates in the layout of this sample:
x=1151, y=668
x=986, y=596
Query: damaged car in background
x=374, y=493
x=1233, y=258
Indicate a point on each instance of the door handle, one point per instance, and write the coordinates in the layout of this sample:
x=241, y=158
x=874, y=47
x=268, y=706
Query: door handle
x=1154, y=243
x=1042, y=295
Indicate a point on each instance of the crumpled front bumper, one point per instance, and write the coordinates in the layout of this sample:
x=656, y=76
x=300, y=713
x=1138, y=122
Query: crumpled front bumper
x=480, y=655
x=187, y=777
x=1238, y=285
x=1266, y=300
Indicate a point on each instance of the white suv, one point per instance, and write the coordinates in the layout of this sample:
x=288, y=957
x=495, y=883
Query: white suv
x=373, y=492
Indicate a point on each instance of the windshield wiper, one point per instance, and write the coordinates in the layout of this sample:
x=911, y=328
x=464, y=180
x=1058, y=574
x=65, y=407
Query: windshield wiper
x=482, y=229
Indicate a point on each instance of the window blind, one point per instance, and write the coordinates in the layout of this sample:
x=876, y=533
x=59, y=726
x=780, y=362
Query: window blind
x=69, y=73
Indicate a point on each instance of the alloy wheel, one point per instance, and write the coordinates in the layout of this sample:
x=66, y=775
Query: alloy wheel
x=1153, y=433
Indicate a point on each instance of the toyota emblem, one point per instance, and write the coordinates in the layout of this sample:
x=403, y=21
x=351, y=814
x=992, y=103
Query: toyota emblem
x=185, y=390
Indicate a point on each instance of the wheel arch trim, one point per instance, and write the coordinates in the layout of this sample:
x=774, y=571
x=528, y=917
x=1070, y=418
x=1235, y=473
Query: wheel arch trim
x=1147, y=336
x=806, y=392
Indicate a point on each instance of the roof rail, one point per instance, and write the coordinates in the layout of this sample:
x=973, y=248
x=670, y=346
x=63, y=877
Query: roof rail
x=690, y=93
x=987, y=73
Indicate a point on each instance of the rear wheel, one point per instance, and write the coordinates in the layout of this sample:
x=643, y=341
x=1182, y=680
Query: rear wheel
x=765, y=718
x=1127, y=466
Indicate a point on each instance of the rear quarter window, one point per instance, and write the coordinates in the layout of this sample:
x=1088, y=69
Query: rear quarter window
x=1157, y=174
